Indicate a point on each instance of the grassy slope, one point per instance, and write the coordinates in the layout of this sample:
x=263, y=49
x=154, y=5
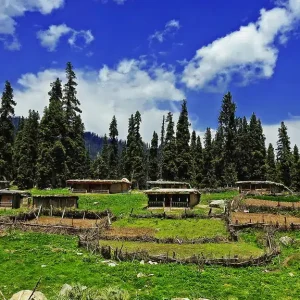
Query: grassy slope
x=23, y=254
x=288, y=198
x=186, y=229
x=206, y=198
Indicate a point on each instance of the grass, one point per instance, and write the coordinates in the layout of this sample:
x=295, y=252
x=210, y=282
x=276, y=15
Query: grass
x=185, y=229
x=206, y=198
x=288, y=198
x=187, y=250
x=11, y=212
x=27, y=256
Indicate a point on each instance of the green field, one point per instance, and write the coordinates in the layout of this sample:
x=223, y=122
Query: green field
x=288, y=198
x=206, y=198
x=241, y=249
x=185, y=229
x=27, y=256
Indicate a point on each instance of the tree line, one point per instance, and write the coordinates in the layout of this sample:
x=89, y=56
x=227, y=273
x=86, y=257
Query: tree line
x=47, y=151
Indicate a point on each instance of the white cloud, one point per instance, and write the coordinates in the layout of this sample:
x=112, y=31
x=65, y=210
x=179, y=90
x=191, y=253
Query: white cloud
x=293, y=126
x=119, y=2
x=49, y=38
x=11, y=9
x=119, y=91
x=170, y=28
x=249, y=52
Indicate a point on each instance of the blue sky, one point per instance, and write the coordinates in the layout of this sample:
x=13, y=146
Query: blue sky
x=150, y=54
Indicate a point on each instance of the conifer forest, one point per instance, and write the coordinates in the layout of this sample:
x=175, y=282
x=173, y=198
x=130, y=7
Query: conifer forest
x=46, y=150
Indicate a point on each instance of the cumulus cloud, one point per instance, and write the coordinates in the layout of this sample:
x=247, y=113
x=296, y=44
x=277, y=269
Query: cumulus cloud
x=248, y=53
x=120, y=91
x=12, y=9
x=170, y=28
x=49, y=38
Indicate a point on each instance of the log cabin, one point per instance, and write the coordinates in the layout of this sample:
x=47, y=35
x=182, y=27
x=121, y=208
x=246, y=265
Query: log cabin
x=12, y=198
x=56, y=201
x=168, y=184
x=262, y=188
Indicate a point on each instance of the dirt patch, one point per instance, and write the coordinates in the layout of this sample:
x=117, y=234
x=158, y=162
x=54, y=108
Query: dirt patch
x=244, y=218
x=129, y=232
x=80, y=223
x=257, y=202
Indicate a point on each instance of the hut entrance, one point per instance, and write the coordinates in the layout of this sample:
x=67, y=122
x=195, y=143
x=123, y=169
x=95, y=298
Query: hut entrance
x=168, y=200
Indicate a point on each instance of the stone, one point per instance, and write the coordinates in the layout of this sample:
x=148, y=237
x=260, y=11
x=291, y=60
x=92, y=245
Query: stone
x=286, y=240
x=217, y=203
x=139, y=275
x=142, y=262
x=25, y=294
x=66, y=288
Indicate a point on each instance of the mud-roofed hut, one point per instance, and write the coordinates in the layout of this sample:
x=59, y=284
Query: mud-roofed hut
x=55, y=201
x=101, y=186
x=262, y=187
x=168, y=184
x=12, y=198
x=181, y=198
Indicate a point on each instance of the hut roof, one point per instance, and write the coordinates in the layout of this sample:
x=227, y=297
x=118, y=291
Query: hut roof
x=95, y=181
x=263, y=183
x=161, y=182
x=171, y=191
x=56, y=196
x=4, y=181
x=14, y=192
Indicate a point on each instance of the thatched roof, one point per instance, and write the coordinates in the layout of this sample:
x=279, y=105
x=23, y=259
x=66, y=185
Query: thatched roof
x=171, y=191
x=98, y=181
x=14, y=192
x=49, y=197
x=161, y=182
x=255, y=182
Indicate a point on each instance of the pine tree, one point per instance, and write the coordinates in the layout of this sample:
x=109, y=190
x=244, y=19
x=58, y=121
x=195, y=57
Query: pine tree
x=169, y=168
x=243, y=153
x=209, y=177
x=128, y=157
x=161, y=147
x=183, y=159
x=271, y=171
x=6, y=132
x=113, y=153
x=193, y=165
x=257, y=149
x=295, y=170
x=153, y=158
x=199, y=161
x=27, y=152
x=218, y=155
x=51, y=162
x=137, y=151
x=73, y=137
x=284, y=157
x=227, y=121
x=17, y=145
x=101, y=163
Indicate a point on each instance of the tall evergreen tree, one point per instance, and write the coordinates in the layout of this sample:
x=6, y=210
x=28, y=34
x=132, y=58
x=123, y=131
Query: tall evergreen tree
x=284, y=157
x=51, y=162
x=17, y=145
x=169, y=168
x=199, y=161
x=218, y=157
x=257, y=149
x=193, y=165
x=101, y=163
x=295, y=170
x=227, y=121
x=153, y=158
x=128, y=157
x=113, y=153
x=209, y=177
x=73, y=137
x=6, y=132
x=243, y=152
x=271, y=171
x=27, y=152
x=183, y=158
x=161, y=147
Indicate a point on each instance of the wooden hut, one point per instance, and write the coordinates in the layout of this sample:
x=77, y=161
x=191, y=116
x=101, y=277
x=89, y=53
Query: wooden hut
x=181, y=198
x=56, y=201
x=105, y=186
x=262, y=187
x=12, y=198
x=4, y=184
x=161, y=184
